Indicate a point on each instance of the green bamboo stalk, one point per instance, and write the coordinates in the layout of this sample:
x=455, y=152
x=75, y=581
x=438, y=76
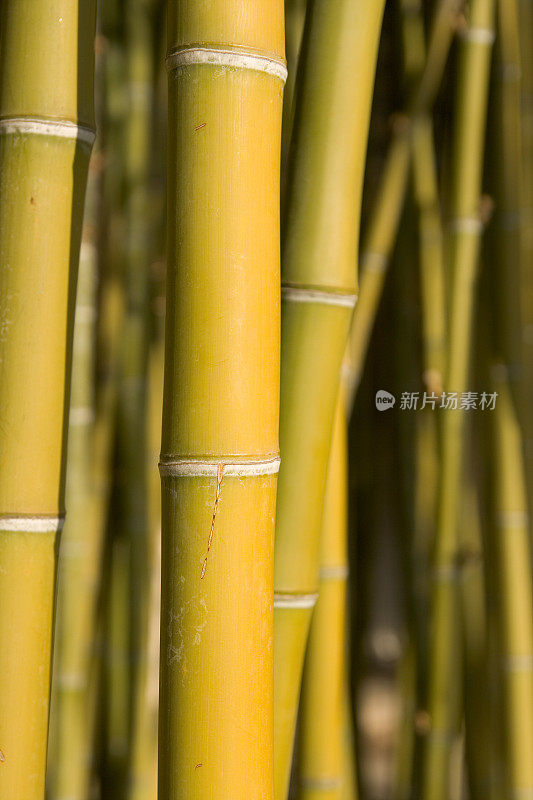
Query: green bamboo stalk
x=507, y=219
x=514, y=584
x=525, y=19
x=324, y=681
x=295, y=11
x=46, y=132
x=478, y=738
x=132, y=437
x=80, y=544
x=219, y=456
x=319, y=244
x=466, y=227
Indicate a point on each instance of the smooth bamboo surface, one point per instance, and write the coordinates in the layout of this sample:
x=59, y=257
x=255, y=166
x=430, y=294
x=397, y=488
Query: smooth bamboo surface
x=322, y=711
x=319, y=254
x=513, y=575
x=219, y=454
x=46, y=92
x=80, y=543
x=466, y=227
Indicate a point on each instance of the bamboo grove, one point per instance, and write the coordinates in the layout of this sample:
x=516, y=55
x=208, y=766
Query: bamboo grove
x=266, y=400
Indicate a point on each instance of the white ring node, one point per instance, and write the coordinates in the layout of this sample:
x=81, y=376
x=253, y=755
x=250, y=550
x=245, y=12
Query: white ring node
x=231, y=469
x=220, y=57
x=295, y=294
x=31, y=524
x=282, y=600
x=61, y=129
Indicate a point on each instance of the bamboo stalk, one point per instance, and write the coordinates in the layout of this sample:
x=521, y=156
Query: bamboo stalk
x=525, y=19
x=513, y=573
x=46, y=132
x=219, y=458
x=322, y=709
x=466, y=227
x=319, y=243
x=132, y=437
x=382, y=232
x=80, y=544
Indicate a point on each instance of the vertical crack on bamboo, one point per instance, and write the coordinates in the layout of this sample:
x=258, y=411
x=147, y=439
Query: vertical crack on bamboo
x=220, y=472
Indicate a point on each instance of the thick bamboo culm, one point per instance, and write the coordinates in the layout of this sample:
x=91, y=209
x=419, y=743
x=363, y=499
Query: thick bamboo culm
x=512, y=569
x=322, y=704
x=319, y=245
x=219, y=457
x=80, y=541
x=465, y=233
x=383, y=226
x=46, y=133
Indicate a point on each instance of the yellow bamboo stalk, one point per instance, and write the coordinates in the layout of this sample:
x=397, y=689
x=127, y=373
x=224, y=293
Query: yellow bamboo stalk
x=219, y=457
x=321, y=750
x=319, y=244
x=465, y=234
x=46, y=133
x=513, y=573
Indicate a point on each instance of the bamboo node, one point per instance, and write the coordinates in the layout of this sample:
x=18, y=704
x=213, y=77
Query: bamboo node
x=321, y=784
x=374, y=262
x=233, y=468
x=287, y=600
x=63, y=129
x=302, y=294
x=518, y=663
x=34, y=523
x=333, y=572
x=484, y=36
x=472, y=225
x=225, y=57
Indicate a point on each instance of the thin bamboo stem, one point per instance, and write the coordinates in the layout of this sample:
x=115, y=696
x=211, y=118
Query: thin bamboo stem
x=321, y=751
x=319, y=245
x=382, y=233
x=466, y=228
x=514, y=584
x=219, y=457
x=46, y=133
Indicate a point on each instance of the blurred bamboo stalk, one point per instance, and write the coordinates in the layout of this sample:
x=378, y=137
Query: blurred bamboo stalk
x=79, y=561
x=465, y=234
x=319, y=253
x=384, y=223
x=322, y=704
x=132, y=406
x=513, y=572
x=525, y=25
x=46, y=134
x=219, y=454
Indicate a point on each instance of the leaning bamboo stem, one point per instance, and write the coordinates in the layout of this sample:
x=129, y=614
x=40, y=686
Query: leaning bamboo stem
x=514, y=582
x=219, y=457
x=382, y=233
x=319, y=244
x=80, y=551
x=322, y=703
x=46, y=132
x=466, y=227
